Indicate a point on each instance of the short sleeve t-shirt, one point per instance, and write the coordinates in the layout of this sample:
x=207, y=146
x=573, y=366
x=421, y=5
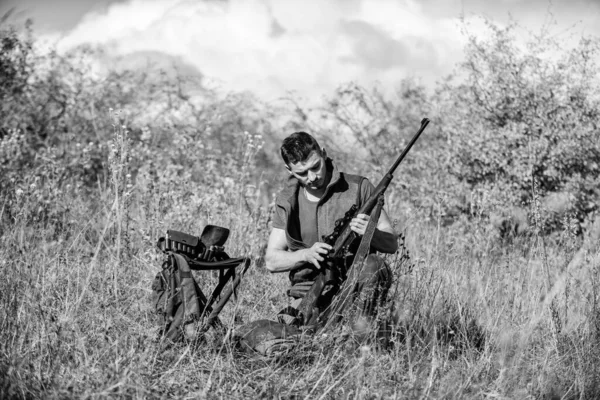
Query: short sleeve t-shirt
x=307, y=218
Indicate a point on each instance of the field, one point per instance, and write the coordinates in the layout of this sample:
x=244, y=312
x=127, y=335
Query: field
x=496, y=290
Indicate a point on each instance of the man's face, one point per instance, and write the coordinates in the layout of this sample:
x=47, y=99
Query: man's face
x=311, y=172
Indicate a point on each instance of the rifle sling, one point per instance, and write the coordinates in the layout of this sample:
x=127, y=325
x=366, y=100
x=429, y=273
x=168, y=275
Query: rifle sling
x=333, y=313
x=365, y=243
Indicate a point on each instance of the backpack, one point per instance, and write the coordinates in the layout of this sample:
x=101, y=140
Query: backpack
x=182, y=309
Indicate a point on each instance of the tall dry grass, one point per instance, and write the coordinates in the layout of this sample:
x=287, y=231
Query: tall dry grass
x=477, y=312
x=475, y=315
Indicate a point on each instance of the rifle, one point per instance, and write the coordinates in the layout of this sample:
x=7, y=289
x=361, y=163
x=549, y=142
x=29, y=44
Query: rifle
x=342, y=237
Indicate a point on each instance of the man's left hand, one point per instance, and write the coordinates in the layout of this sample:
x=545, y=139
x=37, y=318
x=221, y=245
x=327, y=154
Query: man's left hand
x=359, y=224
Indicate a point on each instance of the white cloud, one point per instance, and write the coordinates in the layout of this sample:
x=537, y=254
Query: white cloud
x=274, y=46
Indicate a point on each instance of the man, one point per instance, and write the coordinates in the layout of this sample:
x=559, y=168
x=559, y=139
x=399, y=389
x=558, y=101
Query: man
x=316, y=195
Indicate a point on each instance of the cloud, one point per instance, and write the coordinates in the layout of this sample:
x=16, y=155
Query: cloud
x=373, y=47
x=271, y=47
x=274, y=46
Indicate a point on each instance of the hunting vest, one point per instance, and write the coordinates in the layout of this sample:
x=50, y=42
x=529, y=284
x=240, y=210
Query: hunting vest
x=341, y=193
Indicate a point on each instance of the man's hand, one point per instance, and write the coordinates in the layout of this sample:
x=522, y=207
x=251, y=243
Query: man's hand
x=315, y=253
x=359, y=224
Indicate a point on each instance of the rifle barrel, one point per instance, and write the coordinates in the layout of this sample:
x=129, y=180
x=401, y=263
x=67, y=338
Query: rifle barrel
x=424, y=124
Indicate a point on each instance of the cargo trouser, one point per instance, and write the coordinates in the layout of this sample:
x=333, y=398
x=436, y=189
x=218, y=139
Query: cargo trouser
x=370, y=293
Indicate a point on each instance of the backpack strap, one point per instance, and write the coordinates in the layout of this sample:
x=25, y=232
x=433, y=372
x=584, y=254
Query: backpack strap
x=193, y=308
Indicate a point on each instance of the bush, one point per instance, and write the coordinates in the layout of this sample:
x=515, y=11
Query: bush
x=524, y=114
x=56, y=131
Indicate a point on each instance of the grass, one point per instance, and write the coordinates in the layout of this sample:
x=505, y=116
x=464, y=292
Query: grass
x=475, y=316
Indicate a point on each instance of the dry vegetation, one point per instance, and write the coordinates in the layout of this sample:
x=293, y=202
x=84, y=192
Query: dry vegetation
x=497, y=297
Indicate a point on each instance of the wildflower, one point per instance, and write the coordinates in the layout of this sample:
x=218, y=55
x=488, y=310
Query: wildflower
x=365, y=351
x=19, y=192
x=32, y=186
x=145, y=134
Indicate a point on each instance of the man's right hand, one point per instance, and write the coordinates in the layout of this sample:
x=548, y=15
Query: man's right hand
x=315, y=253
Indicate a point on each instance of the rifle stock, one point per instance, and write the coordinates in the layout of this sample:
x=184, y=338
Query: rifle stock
x=343, y=236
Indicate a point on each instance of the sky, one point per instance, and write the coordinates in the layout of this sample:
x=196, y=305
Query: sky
x=305, y=48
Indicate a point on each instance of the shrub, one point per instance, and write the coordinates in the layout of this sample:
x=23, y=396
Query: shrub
x=524, y=113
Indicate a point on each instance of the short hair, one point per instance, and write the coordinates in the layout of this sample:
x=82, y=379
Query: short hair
x=297, y=147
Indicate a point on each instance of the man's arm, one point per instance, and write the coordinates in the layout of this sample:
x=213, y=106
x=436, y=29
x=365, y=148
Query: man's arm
x=279, y=259
x=385, y=239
